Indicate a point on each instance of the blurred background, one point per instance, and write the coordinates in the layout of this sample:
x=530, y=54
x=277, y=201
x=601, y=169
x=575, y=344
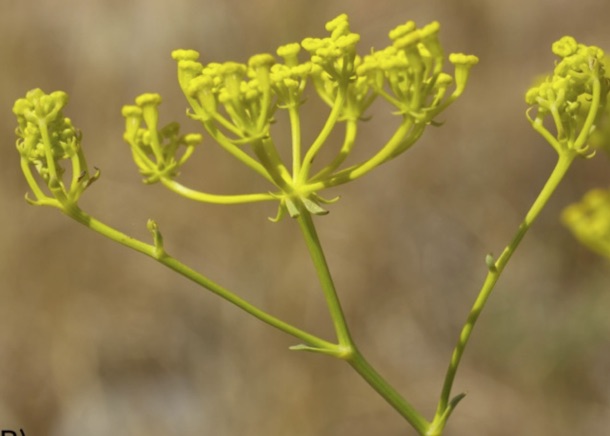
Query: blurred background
x=96, y=339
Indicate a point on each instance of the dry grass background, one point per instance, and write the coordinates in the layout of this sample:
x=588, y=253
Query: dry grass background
x=96, y=340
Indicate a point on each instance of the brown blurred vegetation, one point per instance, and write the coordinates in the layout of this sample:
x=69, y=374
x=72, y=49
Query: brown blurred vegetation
x=96, y=339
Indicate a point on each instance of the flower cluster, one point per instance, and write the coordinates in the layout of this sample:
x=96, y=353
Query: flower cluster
x=237, y=103
x=154, y=150
x=45, y=140
x=573, y=96
x=589, y=220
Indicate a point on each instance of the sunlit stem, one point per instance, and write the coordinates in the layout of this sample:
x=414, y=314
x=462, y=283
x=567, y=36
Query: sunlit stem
x=323, y=135
x=270, y=159
x=33, y=184
x=400, y=139
x=591, y=116
x=495, y=270
x=328, y=287
x=295, y=131
x=152, y=251
x=350, y=352
x=351, y=129
x=205, y=197
x=234, y=150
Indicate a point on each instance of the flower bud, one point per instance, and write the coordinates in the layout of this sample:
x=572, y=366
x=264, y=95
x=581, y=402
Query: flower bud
x=149, y=103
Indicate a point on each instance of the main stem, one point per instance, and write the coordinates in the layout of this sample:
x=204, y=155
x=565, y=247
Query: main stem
x=495, y=270
x=350, y=351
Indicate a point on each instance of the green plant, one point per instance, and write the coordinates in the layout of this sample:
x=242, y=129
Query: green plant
x=236, y=104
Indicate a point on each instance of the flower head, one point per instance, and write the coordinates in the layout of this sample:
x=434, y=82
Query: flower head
x=154, y=149
x=46, y=140
x=573, y=97
x=237, y=104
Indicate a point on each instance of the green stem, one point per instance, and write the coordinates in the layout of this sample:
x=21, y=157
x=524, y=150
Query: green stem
x=403, y=138
x=205, y=197
x=267, y=154
x=350, y=352
x=48, y=149
x=582, y=138
x=174, y=264
x=295, y=132
x=351, y=128
x=328, y=287
x=237, y=152
x=495, y=270
x=383, y=388
x=33, y=184
x=323, y=135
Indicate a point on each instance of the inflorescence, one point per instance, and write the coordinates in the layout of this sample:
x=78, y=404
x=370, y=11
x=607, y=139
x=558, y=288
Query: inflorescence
x=573, y=97
x=237, y=103
x=45, y=140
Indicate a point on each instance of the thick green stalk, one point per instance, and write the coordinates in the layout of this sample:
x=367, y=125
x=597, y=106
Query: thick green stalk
x=350, y=352
x=383, y=388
